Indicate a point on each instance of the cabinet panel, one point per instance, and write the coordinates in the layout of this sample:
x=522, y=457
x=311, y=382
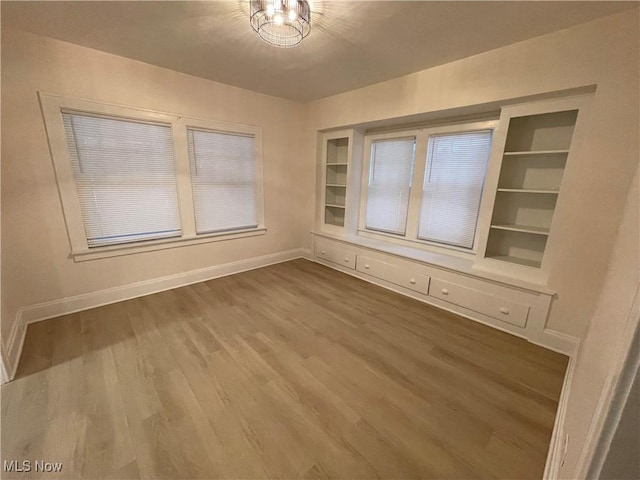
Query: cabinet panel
x=336, y=254
x=496, y=307
x=393, y=274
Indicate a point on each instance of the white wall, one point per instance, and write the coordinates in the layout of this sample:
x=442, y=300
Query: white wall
x=35, y=247
x=595, y=365
x=603, y=52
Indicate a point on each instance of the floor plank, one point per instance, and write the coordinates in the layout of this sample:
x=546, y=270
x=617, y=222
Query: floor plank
x=289, y=371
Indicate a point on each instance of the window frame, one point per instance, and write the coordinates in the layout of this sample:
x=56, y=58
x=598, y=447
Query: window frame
x=52, y=108
x=367, y=175
x=411, y=237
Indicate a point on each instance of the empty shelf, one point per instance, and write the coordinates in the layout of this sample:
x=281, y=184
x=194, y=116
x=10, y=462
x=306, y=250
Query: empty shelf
x=520, y=261
x=521, y=228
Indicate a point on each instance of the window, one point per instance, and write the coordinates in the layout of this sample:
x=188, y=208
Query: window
x=223, y=175
x=124, y=173
x=390, y=184
x=453, y=180
x=449, y=163
x=134, y=180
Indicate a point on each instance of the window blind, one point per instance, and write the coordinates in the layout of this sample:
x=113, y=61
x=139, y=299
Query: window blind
x=124, y=173
x=390, y=184
x=223, y=176
x=454, y=177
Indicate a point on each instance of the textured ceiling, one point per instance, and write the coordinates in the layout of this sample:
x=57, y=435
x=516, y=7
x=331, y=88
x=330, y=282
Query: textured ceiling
x=352, y=44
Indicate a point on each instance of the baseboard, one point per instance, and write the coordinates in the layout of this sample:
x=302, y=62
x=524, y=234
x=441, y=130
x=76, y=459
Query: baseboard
x=558, y=342
x=15, y=344
x=557, y=446
x=64, y=306
x=4, y=375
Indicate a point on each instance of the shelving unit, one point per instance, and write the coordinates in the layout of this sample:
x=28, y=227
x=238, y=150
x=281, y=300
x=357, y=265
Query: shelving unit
x=336, y=178
x=533, y=163
x=339, y=169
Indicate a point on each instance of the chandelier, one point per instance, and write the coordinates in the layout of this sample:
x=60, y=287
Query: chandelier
x=282, y=23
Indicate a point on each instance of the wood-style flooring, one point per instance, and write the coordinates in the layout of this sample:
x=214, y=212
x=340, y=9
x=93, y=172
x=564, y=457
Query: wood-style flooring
x=290, y=371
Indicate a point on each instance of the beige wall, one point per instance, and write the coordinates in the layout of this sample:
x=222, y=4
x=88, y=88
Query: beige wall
x=35, y=247
x=605, y=338
x=603, y=52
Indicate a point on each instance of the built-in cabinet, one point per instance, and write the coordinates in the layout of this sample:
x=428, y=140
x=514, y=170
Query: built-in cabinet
x=533, y=162
x=340, y=178
x=336, y=171
x=502, y=281
x=521, y=311
x=531, y=149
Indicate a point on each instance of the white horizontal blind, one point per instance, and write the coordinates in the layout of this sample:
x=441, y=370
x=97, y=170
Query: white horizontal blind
x=454, y=177
x=223, y=176
x=390, y=184
x=125, y=176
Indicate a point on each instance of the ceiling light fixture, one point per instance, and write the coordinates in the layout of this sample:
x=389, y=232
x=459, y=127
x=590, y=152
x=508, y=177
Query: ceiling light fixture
x=282, y=23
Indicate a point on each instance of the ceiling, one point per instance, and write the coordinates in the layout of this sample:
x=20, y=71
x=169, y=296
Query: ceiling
x=352, y=44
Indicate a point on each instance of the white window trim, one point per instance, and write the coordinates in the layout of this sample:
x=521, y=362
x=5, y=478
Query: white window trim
x=53, y=105
x=420, y=163
x=184, y=123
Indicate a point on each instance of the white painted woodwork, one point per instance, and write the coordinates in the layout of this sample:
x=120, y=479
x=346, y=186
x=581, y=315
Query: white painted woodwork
x=531, y=150
x=496, y=307
x=340, y=179
x=340, y=256
x=393, y=273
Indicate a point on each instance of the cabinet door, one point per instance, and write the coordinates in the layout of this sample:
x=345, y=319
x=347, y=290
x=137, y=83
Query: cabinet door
x=336, y=253
x=496, y=307
x=393, y=274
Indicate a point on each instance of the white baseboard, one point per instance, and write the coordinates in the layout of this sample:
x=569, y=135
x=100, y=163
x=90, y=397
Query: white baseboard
x=558, y=342
x=4, y=375
x=557, y=446
x=64, y=306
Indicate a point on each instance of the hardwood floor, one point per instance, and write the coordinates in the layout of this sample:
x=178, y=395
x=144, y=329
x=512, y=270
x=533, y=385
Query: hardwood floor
x=290, y=371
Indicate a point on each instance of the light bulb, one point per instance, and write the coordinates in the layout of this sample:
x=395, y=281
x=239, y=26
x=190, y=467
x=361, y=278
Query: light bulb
x=270, y=10
x=292, y=15
x=277, y=19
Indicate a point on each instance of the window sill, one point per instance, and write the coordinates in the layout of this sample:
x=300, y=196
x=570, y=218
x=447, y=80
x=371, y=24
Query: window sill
x=449, y=262
x=153, y=245
x=418, y=244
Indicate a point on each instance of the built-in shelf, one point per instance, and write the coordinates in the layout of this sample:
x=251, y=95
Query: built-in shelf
x=522, y=228
x=535, y=152
x=336, y=178
x=517, y=260
x=527, y=190
x=533, y=162
x=334, y=215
